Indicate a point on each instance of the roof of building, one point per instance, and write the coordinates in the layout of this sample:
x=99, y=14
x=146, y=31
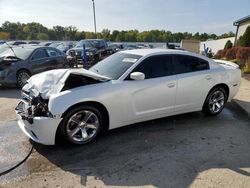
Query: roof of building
x=239, y=21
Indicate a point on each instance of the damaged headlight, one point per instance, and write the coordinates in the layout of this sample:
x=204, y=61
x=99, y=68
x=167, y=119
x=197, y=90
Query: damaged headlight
x=39, y=106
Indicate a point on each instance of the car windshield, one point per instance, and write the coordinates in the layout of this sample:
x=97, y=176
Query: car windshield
x=21, y=53
x=115, y=65
x=87, y=44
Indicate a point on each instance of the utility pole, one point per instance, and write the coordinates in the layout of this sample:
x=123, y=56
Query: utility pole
x=94, y=16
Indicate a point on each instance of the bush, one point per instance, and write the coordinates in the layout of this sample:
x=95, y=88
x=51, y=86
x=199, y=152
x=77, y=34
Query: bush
x=243, y=55
x=231, y=53
x=220, y=54
x=228, y=45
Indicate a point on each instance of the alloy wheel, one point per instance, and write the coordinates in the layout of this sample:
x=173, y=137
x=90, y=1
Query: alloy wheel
x=82, y=126
x=216, y=101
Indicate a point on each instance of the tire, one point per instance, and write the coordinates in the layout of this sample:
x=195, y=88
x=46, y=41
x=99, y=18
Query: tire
x=22, y=77
x=81, y=125
x=215, y=101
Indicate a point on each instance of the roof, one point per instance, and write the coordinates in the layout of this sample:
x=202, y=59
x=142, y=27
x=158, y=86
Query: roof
x=144, y=52
x=244, y=19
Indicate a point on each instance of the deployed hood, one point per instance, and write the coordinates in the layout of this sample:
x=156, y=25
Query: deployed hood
x=52, y=82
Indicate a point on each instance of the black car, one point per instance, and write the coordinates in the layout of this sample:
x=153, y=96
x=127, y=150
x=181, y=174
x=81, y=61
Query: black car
x=18, y=64
x=96, y=49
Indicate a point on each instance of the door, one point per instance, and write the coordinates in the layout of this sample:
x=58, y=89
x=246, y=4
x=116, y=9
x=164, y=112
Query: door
x=193, y=82
x=55, y=59
x=39, y=61
x=155, y=95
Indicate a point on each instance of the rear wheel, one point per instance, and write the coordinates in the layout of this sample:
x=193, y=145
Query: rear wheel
x=82, y=125
x=215, y=101
x=22, y=78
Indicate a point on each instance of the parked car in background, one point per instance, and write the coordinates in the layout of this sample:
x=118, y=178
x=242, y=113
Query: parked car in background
x=63, y=46
x=16, y=43
x=96, y=49
x=18, y=64
x=34, y=42
x=2, y=42
x=125, y=88
x=45, y=43
x=115, y=47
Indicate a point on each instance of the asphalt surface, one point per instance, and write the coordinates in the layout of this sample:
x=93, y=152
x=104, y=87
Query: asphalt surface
x=189, y=150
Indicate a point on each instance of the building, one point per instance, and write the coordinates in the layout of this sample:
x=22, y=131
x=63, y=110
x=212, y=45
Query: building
x=241, y=25
x=215, y=45
x=191, y=45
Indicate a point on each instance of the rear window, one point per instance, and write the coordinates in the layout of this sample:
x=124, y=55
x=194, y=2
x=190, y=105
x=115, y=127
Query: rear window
x=186, y=64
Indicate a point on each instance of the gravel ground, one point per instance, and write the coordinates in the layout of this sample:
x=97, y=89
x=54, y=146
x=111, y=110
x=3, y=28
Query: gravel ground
x=189, y=150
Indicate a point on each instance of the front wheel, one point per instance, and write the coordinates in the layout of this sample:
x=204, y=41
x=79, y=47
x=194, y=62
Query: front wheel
x=22, y=78
x=82, y=125
x=215, y=101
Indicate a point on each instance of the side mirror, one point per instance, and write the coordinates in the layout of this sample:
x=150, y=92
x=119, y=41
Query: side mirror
x=137, y=76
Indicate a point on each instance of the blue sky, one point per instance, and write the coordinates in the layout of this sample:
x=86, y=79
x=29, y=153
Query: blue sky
x=211, y=16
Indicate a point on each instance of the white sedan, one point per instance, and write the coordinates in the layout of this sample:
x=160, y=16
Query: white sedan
x=128, y=87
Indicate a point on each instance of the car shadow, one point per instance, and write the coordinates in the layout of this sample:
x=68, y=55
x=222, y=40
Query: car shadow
x=9, y=92
x=167, y=152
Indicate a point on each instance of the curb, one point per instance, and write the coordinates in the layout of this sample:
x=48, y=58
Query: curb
x=242, y=108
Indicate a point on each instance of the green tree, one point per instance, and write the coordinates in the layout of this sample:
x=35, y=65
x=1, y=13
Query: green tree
x=245, y=38
x=228, y=45
x=42, y=36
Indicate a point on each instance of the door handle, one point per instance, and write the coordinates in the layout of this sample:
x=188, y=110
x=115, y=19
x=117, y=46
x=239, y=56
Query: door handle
x=208, y=77
x=171, y=85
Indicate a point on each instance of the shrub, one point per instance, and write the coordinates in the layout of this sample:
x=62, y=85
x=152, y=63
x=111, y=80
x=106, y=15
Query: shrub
x=231, y=53
x=243, y=58
x=220, y=54
x=243, y=54
x=228, y=45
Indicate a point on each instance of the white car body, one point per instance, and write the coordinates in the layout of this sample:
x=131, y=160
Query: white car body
x=127, y=101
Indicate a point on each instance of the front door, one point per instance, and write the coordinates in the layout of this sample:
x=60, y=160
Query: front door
x=154, y=96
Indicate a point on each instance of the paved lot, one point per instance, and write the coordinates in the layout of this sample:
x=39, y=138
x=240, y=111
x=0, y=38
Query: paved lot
x=188, y=150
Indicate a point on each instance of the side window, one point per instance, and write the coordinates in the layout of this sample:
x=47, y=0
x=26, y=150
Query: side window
x=185, y=64
x=52, y=52
x=156, y=66
x=39, y=54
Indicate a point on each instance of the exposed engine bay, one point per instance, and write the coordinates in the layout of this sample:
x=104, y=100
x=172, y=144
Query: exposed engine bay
x=74, y=81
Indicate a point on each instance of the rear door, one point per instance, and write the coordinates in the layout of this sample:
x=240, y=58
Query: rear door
x=39, y=61
x=55, y=58
x=194, y=80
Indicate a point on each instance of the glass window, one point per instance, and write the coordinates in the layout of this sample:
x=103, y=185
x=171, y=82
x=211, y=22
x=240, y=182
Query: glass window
x=52, y=52
x=156, y=66
x=115, y=65
x=185, y=64
x=39, y=54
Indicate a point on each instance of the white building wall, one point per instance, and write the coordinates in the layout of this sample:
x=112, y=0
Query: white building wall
x=242, y=28
x=215, y=45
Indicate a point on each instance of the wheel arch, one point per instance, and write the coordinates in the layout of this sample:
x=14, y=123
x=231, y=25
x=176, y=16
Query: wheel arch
x=23, y=69
x=222, y=85
x=95, y=104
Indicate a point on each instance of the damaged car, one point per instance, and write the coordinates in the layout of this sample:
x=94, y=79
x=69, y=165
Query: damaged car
x=132, y=86
x=18, y=64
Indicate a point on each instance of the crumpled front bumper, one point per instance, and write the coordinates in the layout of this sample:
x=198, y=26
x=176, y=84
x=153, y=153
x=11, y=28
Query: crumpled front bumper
x=41, y=129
